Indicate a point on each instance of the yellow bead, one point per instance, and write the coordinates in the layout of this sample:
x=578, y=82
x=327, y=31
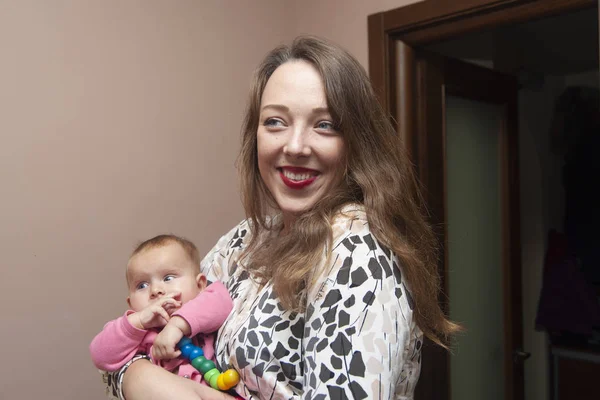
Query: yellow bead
x=231, y=378
x=220, y=383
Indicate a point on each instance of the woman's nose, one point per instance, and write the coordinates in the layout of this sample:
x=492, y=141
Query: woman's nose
x=297, y=144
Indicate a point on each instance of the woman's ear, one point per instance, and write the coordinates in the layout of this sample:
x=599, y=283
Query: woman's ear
x=201, y=280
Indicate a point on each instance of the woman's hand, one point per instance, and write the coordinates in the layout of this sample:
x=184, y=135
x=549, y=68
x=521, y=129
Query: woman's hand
x=146, y=381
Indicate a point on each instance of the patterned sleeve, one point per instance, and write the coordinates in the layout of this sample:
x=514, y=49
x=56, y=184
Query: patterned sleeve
x=216, y=264
x=360, y=340
x=113, y=381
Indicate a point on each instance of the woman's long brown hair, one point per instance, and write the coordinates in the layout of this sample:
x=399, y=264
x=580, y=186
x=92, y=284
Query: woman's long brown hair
x=379, y=176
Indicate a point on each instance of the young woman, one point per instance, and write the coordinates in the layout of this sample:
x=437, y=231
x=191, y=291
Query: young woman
x=333, y=273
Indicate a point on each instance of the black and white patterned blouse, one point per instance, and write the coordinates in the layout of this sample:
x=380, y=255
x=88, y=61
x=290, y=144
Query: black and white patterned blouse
x=356, y=340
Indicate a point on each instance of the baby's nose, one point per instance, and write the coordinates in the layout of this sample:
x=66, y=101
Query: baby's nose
x=158, y=290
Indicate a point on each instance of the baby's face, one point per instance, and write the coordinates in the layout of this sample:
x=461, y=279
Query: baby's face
x=163, y=270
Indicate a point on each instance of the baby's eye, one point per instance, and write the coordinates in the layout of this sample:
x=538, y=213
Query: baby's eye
x=169, y=278
x=141, y=286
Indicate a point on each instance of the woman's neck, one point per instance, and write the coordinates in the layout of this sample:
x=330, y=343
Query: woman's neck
x=288, y=221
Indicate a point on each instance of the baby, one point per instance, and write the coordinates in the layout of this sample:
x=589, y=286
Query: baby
x=168, y=299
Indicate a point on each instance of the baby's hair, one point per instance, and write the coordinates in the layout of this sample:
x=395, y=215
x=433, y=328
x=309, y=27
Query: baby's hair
x=162, y=240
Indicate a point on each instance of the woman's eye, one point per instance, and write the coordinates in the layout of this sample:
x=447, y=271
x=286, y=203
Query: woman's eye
x=141, y=286
x=325, y=125
x=273, y=122
x=169, y=278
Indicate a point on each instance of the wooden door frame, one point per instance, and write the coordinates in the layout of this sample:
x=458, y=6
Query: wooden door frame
x=392, y=36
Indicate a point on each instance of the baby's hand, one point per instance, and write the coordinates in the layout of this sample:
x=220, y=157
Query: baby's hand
x=157, y=314
x=164, y=347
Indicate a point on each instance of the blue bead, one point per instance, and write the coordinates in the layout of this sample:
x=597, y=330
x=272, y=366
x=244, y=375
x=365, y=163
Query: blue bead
x=184, y=340
x=187, y=349
x=196, y=352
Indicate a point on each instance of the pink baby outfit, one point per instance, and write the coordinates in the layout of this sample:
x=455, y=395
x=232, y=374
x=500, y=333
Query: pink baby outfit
x=119, y=341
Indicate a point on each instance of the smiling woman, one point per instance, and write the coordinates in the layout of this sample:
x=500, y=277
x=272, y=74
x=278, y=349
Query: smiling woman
x=300, y=153
x=333, y=273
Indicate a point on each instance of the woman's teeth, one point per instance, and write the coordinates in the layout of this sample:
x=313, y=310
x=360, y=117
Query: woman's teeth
x=296, y=177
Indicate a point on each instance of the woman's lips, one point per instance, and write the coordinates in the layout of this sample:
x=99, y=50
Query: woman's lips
x=297, y=178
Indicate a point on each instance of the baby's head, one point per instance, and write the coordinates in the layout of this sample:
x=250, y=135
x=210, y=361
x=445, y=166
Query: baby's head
x=163, y=265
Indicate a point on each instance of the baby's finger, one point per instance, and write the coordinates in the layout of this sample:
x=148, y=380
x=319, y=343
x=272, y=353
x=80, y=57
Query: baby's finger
x=171, y=302
x=172, y=353
x=163, y=313
x=171, y=308
x=166, y=303
x=164, y=300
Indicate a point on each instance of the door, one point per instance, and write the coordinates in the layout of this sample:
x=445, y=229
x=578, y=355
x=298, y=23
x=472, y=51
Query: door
x=464, y=140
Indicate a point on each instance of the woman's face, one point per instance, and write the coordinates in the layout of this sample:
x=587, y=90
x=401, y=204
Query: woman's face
x=300, y=154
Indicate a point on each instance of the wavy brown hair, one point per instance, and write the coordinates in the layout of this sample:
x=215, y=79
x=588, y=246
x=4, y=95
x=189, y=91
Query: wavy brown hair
x=379, y=176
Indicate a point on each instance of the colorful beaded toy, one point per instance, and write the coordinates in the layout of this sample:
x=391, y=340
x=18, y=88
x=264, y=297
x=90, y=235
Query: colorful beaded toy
x=217, y=379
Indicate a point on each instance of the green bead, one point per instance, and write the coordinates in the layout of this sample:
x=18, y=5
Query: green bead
x=197, y=362
x=209, y=374
x=205, y=366
x=213, y=381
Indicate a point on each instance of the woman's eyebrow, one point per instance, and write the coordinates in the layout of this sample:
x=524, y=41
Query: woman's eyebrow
x=279, y=107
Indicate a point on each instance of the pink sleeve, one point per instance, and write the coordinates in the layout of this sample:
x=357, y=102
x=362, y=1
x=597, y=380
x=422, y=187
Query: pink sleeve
x=207, y=311
x=118, y=342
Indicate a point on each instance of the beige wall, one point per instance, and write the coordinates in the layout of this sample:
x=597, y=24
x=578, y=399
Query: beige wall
x=119, y=121
x=343, y=21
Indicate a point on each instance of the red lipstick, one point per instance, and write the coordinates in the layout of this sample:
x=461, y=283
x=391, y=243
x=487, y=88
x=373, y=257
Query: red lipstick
x=297, y=170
